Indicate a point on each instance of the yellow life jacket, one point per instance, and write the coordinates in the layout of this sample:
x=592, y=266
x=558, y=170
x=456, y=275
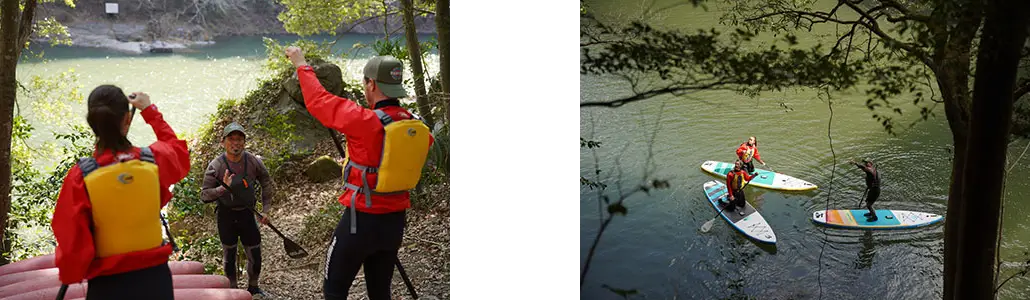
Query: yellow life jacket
x=126, y=197
x=405, y=149
x=748, y=154
x=738, y=181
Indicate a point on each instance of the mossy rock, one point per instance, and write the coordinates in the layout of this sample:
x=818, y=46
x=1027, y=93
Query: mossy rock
x=323, y=169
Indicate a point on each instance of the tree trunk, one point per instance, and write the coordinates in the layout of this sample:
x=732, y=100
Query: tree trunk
x=416, y=61
x=954, y=213
x=443, y=39
x=10, y=49
x=1004, y=34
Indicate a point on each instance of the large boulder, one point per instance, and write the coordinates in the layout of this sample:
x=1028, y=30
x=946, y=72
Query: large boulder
x=290, y=102
x=328, y=74
x=323, y=169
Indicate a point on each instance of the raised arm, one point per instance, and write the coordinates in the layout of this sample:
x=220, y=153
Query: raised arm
x=170, y=152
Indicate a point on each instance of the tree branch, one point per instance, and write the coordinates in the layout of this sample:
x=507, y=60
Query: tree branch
x=869, y=24
x=1022, y=89
x=650, y=94
x=907, y=14
x=25, y=26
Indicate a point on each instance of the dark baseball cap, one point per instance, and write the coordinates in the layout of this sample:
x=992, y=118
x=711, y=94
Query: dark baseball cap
x=388, y=73
x=233, y=127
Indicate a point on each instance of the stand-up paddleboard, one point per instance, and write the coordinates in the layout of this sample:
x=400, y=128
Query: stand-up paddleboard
x=886, y=219
x=766, y=179
x=750, y=224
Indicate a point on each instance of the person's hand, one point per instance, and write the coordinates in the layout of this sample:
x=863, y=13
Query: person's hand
x=296, y=56
x=263, y=220
x=227, y=178
x=731, y=197
x=139, y=100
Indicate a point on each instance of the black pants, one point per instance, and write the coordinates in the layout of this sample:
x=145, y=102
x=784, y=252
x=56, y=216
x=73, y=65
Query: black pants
x=738, y=201
x=874, y=193
x=149, y=283
x=374, y=246
x=236, y=226
x=749, y=166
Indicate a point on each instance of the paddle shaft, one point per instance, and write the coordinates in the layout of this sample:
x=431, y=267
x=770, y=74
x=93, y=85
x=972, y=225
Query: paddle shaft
x=60, y=293
x=269, y=224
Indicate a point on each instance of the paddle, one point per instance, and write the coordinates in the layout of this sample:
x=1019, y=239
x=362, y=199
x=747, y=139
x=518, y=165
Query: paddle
x=708, y=225
x=293, y=250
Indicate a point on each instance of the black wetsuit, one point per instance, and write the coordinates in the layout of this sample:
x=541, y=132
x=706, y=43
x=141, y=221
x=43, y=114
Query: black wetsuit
x=237, y=223
x=872, y=183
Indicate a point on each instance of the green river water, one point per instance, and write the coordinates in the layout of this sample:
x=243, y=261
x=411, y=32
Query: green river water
x=658, y=248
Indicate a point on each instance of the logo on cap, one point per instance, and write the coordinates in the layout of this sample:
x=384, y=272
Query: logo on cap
x=396, y=73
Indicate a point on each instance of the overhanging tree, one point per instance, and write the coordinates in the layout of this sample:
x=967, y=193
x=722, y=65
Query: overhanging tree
x=899, y=48
x=17, y=24
x=306, y=17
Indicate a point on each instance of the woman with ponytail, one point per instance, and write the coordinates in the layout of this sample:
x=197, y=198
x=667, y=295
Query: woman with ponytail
x=107, y=221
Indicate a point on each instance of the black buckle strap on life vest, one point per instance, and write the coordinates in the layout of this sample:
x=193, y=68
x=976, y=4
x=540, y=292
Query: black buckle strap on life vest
x=147, y=155
x=383, y=117
x=90, y=164
x=87, y=165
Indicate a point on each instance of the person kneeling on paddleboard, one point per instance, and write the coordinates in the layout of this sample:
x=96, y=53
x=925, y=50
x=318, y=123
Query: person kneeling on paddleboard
x=107, y=221
x=872, y=185
x=747, y=151
x=735, y=180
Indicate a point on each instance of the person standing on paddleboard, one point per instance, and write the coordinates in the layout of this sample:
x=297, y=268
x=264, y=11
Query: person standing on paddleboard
x=230, y=180
x=107, y=220
x=872, y=185
x=748, y=151
x=735, y=180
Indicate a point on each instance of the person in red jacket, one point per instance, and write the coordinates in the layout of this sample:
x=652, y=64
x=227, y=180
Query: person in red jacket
x=748, y=151
x=92, y=250
x=735, y=180
x=370, y=231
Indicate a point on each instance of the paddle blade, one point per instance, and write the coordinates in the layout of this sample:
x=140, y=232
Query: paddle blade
x=293, y=250
x=708, y=225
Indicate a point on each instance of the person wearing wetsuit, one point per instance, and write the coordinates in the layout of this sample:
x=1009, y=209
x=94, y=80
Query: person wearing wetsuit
x=231, y=180
x=872, y=185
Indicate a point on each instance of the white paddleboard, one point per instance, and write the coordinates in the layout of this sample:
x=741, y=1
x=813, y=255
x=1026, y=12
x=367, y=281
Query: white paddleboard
x=886, y=219
x=765, y=178
x=751, y=224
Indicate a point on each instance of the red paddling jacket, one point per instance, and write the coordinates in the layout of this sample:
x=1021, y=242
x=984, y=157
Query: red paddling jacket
x=76, y=255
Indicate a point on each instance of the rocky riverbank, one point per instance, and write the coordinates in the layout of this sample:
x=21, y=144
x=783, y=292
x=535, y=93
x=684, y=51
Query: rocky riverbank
x=141, y=29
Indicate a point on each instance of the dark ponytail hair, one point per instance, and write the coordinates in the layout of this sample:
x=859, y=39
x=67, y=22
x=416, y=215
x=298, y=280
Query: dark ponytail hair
x=107, y=106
